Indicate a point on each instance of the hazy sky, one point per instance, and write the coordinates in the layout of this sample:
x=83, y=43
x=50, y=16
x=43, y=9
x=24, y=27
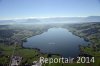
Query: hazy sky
x=48, y=8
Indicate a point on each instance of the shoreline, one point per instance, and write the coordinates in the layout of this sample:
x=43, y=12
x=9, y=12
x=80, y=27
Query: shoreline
x=55, y=53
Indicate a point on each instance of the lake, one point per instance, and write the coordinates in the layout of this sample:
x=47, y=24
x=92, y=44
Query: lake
x=56, y=41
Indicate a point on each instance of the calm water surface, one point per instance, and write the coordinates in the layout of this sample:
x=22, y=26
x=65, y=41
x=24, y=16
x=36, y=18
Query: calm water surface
x=56, y=41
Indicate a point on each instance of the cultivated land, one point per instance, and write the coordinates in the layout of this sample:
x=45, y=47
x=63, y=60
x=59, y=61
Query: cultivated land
x=91, y=33
x=13, y=36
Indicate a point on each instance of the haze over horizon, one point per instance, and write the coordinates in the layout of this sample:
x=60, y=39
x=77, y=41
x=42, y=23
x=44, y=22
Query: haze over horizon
x=11, y=9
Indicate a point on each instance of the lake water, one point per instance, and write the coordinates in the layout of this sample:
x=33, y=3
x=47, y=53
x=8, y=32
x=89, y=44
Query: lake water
x=56, y=41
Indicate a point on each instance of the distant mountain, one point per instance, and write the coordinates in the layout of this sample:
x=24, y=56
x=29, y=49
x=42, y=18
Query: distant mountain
x=92, y=19
x=63, y=19
x=32, y=21
x=27, y=20
x=18, y=21
x=54, y=19
x=6, y=21
x=73, y=19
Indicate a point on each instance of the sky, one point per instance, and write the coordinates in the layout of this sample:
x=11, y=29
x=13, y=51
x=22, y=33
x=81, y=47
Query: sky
x=11, y=9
